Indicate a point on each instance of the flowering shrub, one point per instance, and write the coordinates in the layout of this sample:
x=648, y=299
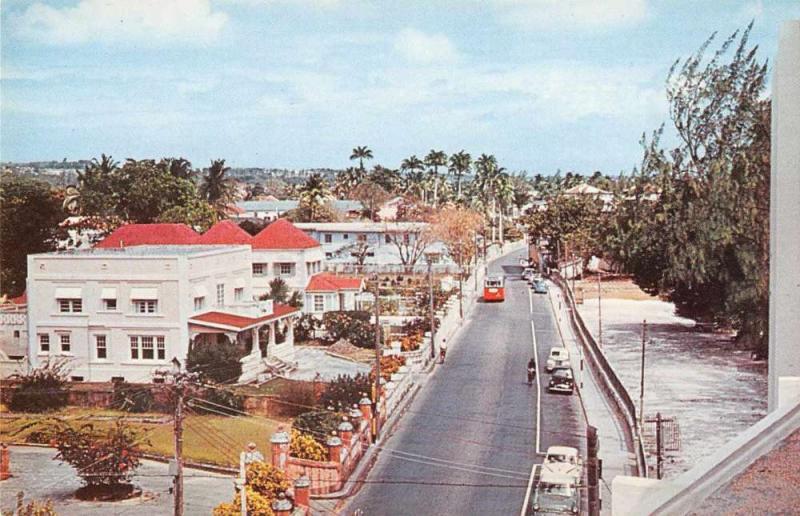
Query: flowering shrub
x=389, y=366
x=100, y=460
x=344, y=391
x=257, y=505
x=304, y=446
x=266, y=479
x=318, y=424
x=411, y=342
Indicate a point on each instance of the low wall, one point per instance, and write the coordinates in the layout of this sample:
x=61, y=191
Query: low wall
x=609, y=382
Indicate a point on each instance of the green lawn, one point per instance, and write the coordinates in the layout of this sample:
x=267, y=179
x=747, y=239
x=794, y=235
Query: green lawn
x=209, y=439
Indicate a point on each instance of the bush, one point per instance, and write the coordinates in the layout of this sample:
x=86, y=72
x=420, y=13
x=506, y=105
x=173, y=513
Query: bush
x=389, y=366
x=34, y=508
x=223, y=400
x=298, y=398
x=319, y=424
x=133, y=398
x=345, y=390
x=100, y=460
x=216, y=361
x=304, y=446
x=264, y=483
x=411, y=342
x=42, y=390
x=257, y=505
x=305, y=327
x=351, y=325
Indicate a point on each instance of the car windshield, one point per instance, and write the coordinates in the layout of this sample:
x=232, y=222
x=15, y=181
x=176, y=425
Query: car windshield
x=554, y=491
x=556, y=353
x=562, y=373
x=558, y=458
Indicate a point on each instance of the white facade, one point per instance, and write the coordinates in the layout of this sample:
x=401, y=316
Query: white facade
x=336, y=237
x=294, y=266
x=124, y=312
x=318, y=303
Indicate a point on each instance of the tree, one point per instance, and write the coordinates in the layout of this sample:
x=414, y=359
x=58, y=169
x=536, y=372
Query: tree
x=177, y=167
x=457, y=228
x=217, y=361
x=371, y=196
x=43, y=389
x=387, y=178
x=196, y=213
x=29, y=215
x=346, y=181
x=414, y=180
x=105, y=461
x=574, y=223
x=460, y=164
x=98, y=190
x=435, y=159
x=278, y=290
x=314, y=194
x=703, y=239
x=409, y=240
x=361, y=153
x=219, y=191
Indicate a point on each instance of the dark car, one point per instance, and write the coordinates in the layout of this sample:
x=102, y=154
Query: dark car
x=561, y=381
x=540, y=287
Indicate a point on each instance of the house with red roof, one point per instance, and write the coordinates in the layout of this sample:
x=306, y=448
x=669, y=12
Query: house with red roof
x=282, y=251
x=149, y=234
x=327, y=291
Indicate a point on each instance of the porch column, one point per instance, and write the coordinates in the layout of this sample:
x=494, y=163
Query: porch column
x=256, y=350
x=290, y=332
x=271, y=343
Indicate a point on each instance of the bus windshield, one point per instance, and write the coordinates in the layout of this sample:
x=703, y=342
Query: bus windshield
x=494, y=282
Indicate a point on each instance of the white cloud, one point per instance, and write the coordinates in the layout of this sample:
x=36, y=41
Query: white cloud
x=148, y=21
x=419, y=47
x=571, y=14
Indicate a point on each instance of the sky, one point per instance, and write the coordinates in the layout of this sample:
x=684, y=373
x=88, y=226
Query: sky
x=541, y=84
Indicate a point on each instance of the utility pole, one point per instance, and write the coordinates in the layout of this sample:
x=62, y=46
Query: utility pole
x=659, y=447
x=377, y=410
x=179, y=391
x=593, y=472
x=599, y=312
x=433, y=319
x=641, y=375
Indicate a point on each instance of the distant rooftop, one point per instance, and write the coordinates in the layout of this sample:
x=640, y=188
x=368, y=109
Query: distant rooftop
x=360, y=227
x=143, y=250
x=290, y=204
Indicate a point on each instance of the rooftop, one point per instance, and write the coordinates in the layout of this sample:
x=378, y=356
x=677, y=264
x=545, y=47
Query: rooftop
x=143, y=250
x=327, y=282
x=149, y=234
x=238, y=322
x=225, y=232
x=282, y=234
x=361, y=227
x=290, y=204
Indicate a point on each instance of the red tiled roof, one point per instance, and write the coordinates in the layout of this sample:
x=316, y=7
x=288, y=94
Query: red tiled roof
x=241, y=321
x=225, y=232
x=326, y=282
x=282, y=234
x=150, y=234
x=21, y=299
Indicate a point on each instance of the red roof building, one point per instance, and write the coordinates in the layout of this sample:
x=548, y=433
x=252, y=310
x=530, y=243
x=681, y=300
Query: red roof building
x=327, y=282
x=150, y=234
x=225, y=232
x=236, y=322
x=282, y=234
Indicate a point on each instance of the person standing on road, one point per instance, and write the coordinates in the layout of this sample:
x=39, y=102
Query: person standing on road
x=531, y=370
x=442, y=350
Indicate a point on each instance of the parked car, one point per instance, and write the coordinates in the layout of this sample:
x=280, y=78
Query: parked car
x=561, y=381
x=564, y=460
x=559, y=357
x=556, y=494
x=540, y=287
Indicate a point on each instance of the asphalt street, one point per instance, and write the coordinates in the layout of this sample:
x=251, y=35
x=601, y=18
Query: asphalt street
x=469, y=440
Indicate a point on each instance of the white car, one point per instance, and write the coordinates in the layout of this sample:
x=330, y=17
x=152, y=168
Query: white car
x=528, y=273
x=559, y=357
x=564, y=460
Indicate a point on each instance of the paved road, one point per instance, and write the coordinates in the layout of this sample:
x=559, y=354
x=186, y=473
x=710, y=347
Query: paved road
x=468, y=442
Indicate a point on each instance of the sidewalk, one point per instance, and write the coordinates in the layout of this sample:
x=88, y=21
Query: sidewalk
x=617, y=460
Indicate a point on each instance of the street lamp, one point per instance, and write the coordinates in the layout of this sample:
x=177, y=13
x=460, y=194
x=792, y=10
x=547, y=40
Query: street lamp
x=432, y=257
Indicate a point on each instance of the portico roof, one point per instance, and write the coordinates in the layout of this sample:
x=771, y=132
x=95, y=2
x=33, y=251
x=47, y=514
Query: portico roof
x=229, y=321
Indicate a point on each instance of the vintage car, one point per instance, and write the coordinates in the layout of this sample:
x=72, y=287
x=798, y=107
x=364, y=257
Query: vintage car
x=555, y=493
x=565, y=460
x=561, y=381
x=559, y=357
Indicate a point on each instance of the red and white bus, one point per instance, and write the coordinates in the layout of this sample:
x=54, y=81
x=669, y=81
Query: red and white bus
x=494, y=289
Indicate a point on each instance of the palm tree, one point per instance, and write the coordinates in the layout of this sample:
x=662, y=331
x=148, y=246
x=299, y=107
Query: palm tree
x=94, y=194
x=346, y=181
x=313, y=194
x=389, y=179
x=217, y=189
x=459, y=165
x=361, y=153
x=177, y=167
x=414, y=178
x=493, y=182
x=436, y=159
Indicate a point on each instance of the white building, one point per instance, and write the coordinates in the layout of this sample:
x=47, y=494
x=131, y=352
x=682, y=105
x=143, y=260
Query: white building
x=273, y=209
x=124, y=312
x=13, y=336
x=326, y=292
x=338, y=239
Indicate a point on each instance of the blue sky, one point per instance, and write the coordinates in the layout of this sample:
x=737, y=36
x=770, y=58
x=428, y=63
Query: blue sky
x=542, y=84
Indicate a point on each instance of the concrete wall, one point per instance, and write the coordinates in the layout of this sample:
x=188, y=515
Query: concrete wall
x=784, y=305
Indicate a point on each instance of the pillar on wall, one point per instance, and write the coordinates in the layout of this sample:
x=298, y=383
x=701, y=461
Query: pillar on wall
x=784, y=299
x=334, y=448
x=271, y=342
x=256, y=350
x=280, y=448
x=282, y=506
x=346, y=432
x=302, y=492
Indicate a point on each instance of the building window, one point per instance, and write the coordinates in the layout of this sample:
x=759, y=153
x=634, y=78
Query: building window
x=148, y=352
x=345, y=236
x=319, y=303
x=70, y=305
x=238, y=294
x=286, y=269
x=147, y=347
x=259, y=269
x=44, y=343
x=145, y=306
x=220, y=294
x=387, y=238
x=328, y=238
x=328, y=256
x=66, y=345
x=76, y=378
x=110, y=304
x=100, y=346
x=199, y=303
x=362, y=237
x=406, y=238
x=16, y=334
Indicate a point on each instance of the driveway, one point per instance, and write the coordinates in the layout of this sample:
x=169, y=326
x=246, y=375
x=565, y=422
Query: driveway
x=39, y=477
